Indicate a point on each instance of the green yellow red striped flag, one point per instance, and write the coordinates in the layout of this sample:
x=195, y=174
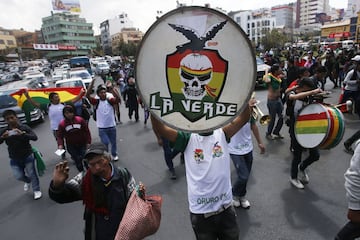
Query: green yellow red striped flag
x=42, y=96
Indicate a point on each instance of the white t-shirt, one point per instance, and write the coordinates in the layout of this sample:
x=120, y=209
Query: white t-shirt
x=55, y=115
x=241, y=142
x=105, y=116
x=207, y=163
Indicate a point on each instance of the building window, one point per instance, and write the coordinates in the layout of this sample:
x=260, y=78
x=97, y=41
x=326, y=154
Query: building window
x=10, y=42
x=2, y=41
x=238, y=19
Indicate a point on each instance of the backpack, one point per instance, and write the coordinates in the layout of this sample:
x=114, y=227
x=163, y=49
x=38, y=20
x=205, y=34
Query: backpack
x=96, y=106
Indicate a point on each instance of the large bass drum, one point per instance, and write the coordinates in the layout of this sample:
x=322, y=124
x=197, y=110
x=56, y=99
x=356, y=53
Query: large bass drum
x=320, y=126
x=195, y=69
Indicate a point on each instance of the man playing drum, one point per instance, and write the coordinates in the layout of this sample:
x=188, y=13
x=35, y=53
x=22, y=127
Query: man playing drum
x=301, y=97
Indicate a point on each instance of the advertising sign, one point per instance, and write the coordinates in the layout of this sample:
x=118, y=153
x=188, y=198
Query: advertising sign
x=195, y=69
x=66, y=5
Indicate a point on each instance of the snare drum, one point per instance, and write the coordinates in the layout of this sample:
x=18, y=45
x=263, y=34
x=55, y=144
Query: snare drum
x=319, y=126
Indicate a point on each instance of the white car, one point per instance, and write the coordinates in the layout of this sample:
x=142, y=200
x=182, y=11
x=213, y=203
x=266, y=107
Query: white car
x=32, y=70
x=70, y=82
x=38, y=80
x=102, y=68
x=59, y=75
x=81, y=73
x=261, y=67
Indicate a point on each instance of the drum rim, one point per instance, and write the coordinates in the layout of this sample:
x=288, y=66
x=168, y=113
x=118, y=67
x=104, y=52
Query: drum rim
x=334, y=124
x=341, y=130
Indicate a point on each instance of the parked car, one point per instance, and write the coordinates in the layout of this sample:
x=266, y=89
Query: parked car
x=10, y=78
x=81, y=73
x=59, y=75
x=71, y=82
x=38, y=79
x=260, y=68
x=102, y=68
x=8, y=102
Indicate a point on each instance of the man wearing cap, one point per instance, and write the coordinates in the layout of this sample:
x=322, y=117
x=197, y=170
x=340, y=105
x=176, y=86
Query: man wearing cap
x=352, y=81
x=105, y=114
x=103, y=188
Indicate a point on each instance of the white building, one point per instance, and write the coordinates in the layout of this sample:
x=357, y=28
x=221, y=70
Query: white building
x=254, y=23
x=352, y=8
x=307, y=12
x=111, y=27
x=284, y=16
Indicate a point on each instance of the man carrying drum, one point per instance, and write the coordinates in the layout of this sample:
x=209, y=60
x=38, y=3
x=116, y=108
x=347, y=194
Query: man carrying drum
x=301, y=97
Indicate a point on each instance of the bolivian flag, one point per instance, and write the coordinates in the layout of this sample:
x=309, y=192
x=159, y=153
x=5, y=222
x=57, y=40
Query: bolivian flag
x=42, y=97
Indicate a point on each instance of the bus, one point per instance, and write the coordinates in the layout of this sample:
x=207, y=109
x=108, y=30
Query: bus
x=82, y=61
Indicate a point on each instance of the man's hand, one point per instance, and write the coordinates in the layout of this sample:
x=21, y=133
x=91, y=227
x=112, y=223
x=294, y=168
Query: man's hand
x=60, y=174
x=262, y=148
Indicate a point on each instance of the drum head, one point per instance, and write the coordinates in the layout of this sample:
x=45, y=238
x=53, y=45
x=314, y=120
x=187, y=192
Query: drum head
x=195, y=69
x=312, y=125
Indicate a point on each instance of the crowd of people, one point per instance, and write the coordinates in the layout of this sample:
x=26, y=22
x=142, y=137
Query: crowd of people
x=104, y=188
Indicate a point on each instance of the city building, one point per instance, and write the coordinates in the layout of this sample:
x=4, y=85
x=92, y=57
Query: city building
x=25, y=41
x=353, y=7
x=311, y=14
x=69, y=30
x=254, y=23
x=127, y=35
x=337, y=31
x=7, y=40
x=285, y=17
x=110, y=27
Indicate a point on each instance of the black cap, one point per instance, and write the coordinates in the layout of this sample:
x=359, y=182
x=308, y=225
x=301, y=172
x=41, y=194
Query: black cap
x=97, y=148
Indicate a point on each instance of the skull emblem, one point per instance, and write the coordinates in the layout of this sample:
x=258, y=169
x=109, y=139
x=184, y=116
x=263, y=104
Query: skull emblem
x=195, y=72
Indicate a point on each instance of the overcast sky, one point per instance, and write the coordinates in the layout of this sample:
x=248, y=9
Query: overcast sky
x=27, y=14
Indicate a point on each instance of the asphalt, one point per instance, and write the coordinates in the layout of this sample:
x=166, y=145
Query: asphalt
x=278, y=211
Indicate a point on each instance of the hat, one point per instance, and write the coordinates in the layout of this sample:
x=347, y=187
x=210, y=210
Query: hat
x=95, y=148
x=356, y=58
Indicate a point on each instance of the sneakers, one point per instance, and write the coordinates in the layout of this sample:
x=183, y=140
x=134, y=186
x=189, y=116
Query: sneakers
x=37, y=195
x=296, y=183
x=26, y=187
x=241, y=202
x=302, y=176
x=116, y=158
x=270, y=136
x=278, y=136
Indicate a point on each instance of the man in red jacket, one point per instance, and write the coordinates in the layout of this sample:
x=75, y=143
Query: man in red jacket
x=74, y=130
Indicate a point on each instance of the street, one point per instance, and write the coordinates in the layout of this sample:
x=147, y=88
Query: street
x=278, y=210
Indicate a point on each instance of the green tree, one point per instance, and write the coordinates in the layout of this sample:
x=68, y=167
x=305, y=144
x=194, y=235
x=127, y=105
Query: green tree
x=274, y=39
x=127, y=49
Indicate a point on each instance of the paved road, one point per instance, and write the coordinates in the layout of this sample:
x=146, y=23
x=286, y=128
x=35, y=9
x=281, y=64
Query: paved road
x=278, y=211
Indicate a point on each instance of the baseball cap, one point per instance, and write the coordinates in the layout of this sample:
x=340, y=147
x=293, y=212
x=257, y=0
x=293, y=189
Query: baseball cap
x=97, y=148
x=356, y=58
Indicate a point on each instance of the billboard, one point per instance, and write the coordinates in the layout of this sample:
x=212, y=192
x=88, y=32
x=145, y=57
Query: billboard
x=66, y=5
x=322, y=18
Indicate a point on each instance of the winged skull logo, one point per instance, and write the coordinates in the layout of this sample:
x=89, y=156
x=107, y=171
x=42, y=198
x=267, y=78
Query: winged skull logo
x=196, y=69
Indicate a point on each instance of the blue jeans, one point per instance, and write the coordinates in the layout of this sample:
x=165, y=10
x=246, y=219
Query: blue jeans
x=108, y=136
x=349, y=232
x=275, y=109
x=169, y=154
x=24, y=170
x=222, y=226
x=243, y=164
x=77, y=153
